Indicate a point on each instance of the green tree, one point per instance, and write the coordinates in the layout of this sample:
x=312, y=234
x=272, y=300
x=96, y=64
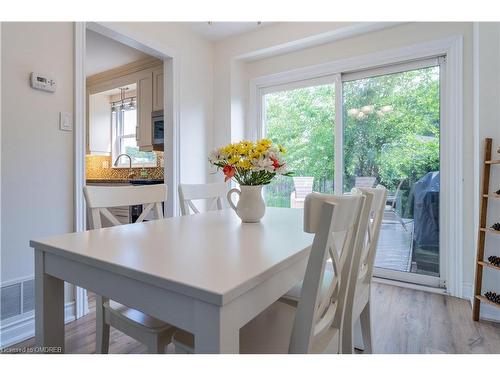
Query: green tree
x=396, y=137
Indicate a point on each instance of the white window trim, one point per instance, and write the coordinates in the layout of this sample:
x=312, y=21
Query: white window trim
x=451, y=235
x=116, y=150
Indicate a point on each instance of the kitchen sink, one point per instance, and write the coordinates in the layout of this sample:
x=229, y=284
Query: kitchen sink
x=145, y=182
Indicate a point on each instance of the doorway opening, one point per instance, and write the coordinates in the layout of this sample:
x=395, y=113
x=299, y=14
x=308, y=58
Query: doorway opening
x=127, y=112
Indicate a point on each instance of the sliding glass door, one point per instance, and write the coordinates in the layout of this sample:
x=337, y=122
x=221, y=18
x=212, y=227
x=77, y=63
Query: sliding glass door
x=388, y=133
x=391, y=136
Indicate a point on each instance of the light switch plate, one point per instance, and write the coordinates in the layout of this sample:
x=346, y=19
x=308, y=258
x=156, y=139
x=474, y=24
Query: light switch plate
x=65, y=121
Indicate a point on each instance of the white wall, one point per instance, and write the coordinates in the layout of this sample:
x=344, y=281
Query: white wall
x=390, y=38
x=229, y=88
x=196, y=92
x=104, y=53
x=488, y=86
x=36, y=157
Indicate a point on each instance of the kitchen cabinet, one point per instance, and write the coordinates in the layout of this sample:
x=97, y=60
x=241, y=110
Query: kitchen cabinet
x=158, y=89
x=148, y=77
x=99, y=119
x=144, y=132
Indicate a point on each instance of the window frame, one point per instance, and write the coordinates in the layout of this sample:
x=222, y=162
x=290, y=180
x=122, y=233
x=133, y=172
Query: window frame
x=451, y=136
x=116, y=143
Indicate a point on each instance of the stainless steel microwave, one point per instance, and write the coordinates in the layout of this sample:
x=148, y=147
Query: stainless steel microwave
x=158, y=130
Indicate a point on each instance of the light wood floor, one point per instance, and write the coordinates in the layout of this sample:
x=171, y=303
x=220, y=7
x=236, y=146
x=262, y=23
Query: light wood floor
x=404, y=321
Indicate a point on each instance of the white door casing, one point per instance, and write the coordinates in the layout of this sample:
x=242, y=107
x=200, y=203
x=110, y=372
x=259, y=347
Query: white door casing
x=171, y=104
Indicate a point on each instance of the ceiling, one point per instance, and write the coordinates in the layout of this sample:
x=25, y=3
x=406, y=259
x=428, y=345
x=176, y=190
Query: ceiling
x=217, y=31
x=104, y=53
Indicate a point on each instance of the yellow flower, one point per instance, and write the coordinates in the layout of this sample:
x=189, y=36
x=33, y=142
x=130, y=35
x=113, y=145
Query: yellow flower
x=233, y=159
x=228, y=150
x=260, y=149
x=265, y=143
x=282, y=149
x=244, y=164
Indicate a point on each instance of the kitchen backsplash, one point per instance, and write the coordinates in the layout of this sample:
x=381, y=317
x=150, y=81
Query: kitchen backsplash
x=95, y=169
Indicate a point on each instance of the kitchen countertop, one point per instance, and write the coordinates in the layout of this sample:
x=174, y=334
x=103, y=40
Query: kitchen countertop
x=122, y=181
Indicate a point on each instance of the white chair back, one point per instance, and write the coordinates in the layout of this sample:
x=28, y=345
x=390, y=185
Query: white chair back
x=303, y=186
x=364, y=182
x=213, y=193
x=338, y=223
x=100, y=198
x=373, y=230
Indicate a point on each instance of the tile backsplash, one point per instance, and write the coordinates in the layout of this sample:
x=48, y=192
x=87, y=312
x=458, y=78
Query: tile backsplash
x=95, y=170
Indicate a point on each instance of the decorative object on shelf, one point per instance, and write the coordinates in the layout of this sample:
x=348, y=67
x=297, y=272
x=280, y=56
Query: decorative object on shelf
x=252, y=165
x=483, y=230
x=494, y=260
x=493, y=297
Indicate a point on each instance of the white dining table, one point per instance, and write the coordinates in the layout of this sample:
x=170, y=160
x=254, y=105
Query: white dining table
x=209, y=273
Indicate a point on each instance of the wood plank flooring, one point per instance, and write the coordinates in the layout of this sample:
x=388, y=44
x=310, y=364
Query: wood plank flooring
x=404, y=321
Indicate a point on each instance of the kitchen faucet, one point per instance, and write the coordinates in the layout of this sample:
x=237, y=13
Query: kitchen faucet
x=131, y=173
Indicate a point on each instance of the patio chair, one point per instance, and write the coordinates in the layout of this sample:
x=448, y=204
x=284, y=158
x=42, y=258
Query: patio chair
x=390, y=213
x=365, y=182
x=302, y=187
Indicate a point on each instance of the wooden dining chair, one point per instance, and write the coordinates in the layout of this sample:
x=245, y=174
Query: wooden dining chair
x=360, y=336
x=315, y=326
x=213, y=193
x=152, y=332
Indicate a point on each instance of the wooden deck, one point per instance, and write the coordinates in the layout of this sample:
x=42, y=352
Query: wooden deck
x=395, y=246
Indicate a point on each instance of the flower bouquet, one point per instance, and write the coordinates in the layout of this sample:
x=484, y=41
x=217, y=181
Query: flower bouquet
x=251, y=165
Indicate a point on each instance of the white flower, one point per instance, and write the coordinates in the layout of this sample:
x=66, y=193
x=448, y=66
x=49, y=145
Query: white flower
x=273, y=150
x=263, y=164
x=215, y=156
x=282, y=170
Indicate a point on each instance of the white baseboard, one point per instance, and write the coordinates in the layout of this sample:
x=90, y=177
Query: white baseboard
x=408, y=285
x=22, y=327
x=488, y=312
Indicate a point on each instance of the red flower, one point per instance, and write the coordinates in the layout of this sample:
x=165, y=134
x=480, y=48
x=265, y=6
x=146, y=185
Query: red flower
x=276, y=164
x=229, y=171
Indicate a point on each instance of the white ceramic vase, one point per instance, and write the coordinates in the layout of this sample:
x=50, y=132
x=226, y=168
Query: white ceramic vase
x=250, y=207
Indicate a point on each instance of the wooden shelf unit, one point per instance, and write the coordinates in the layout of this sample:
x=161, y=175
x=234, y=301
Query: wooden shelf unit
x=488, y=264
x=480, y=298
x=489, y=230
x=492, y=195
x=483, y=230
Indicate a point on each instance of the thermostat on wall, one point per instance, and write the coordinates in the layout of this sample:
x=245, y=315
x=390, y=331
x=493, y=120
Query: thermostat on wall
x=40, y=82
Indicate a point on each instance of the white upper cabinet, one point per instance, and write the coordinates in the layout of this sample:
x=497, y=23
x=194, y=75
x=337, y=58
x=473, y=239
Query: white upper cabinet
x=99, y=116
x=158, y=89
x=144, y=131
